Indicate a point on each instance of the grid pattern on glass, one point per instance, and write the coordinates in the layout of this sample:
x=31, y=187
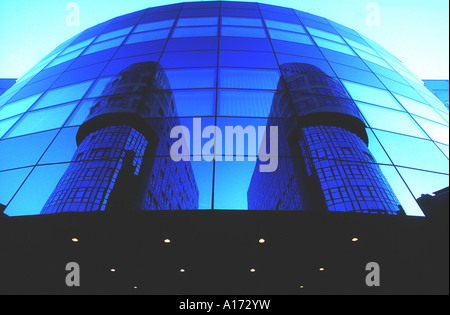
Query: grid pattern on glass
x=240, y=85
x=347, y=172
x=91, y=177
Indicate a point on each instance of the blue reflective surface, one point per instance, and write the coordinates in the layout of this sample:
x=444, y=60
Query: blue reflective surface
x=224, y=62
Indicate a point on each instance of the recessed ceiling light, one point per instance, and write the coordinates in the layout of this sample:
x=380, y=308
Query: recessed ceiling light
x=262, y=241
x=252, y=270
x=301, y=287
x=167, y=241
x=355, y=239
x=182, y=270
x=75, y=240
x=321, y=269
x=113, y=270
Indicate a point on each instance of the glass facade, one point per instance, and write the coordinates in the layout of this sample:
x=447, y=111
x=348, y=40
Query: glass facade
x=175, y=107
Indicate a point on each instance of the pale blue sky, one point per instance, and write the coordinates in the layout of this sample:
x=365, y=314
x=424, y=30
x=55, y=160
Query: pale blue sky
x=415, y=31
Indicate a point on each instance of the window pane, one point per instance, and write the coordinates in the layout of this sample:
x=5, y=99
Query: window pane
x=24, y=151
x=18, y=107
x=63, y=95
x=413, y=152
x=390, y=120
x=285, y=26
x=34, y=193
x=80, y=113
x=209, y=20
x=324, y=43
x=371, y=95
x=191, y=78
x=241, y=21
x=153, y=26
x=248, y=78
x=247, y=59
x=6, y=124
x=437, y=132
x=113, y=34
x=195, y=102
x=404, y=196
x=194, y=31
x=189, y=59
x=245, y=103
x=237, y=31
x=41, y=120
x=419, y=109
x=327, y=35
x=62, y=148
x=290, y=36
x=147, y=36
x=14, y=179
x=104, y=45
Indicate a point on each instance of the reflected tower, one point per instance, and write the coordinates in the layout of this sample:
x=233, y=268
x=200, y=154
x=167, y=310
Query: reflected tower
x=331, y=168
x=121, y=161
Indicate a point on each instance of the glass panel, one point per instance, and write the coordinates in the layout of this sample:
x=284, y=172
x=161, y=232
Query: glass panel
x=77, y=46
x=113, y=34
x=65, y=58
x=444, y=148
x=104, y=45
x=18, y=107
x=285, y=26
x=248, y=78
x=195, y=31
x=324, y=43
x=195, y=102
x=243, y=31
x=419, y=109
x=189, y=59
x=209, y=20
x=371, y=95
x=147, y=36
x=191, y=43
x=63, y=95
x=14, y=179
x=413, y=152
x=62, y=148
x=422, y=183
x=376, y=149
x=247, y=59
x=41, y=120
x=245, y=103
x=437, y=132
x=98, y=87
x=24, y=151
x=390, y=120
x=290, y=36
x=6, y=124
x=192, y=78
x=241, y=21
x=153, y=26
x=80, y=113
x=326, y=35
x=401, y=191
x=35, y=191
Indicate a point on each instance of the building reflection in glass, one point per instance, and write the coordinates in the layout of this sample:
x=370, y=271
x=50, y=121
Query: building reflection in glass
x=331, y=168
x=122, y=160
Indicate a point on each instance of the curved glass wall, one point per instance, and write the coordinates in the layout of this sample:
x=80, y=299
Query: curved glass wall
x=234, y=130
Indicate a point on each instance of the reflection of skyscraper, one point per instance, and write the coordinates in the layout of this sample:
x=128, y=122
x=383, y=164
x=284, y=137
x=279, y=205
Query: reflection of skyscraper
x=122, y=160
x=331, y=167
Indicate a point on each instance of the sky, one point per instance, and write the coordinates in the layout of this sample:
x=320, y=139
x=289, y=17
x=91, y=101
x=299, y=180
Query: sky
x=415, y=31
